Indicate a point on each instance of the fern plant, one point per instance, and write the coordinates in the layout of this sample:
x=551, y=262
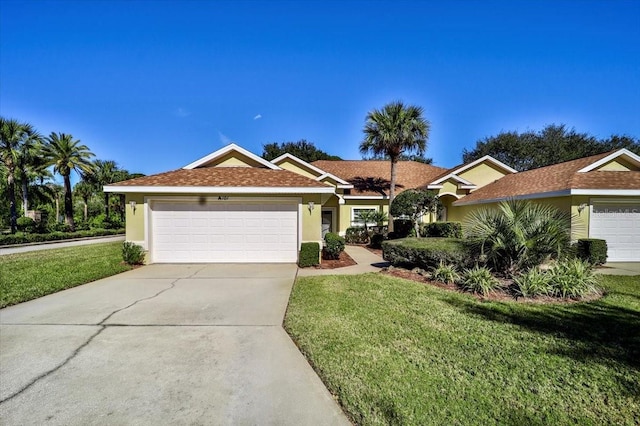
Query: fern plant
x=478, y=280
x=445, y=273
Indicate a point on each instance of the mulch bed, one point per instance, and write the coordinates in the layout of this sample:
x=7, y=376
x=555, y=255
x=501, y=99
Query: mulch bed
x=498, y=296
x=341, y=262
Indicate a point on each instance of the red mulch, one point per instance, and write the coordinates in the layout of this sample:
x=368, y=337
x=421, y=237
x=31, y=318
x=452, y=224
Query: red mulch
x=498, y=296
x=341, y=262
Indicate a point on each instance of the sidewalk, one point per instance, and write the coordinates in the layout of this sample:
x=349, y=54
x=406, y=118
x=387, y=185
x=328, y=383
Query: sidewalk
x=367, y=262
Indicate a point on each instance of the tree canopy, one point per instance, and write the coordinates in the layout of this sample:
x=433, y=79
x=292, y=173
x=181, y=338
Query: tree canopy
x=415, y=203
x=403, y=157
x=302, y=149
x=553, y=144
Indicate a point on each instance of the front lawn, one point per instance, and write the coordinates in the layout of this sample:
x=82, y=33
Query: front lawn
x=399, y=352
x=30, y=275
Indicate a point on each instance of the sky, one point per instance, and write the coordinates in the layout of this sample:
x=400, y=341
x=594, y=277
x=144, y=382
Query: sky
x=155, y=85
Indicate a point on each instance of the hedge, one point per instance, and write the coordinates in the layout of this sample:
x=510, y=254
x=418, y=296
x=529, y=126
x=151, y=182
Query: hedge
x=442, y=229
x=24, y=238
x=356, y=235
x=309, y=255
x=427, y=253
x=334, y=246
x=592, y=250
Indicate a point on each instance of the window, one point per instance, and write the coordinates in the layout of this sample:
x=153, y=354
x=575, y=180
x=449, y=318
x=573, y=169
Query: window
x=355, y=215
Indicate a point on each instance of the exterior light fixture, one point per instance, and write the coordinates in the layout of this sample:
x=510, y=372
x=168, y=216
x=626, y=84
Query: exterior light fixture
x=311, y=206
x=581, y=207
x=132, y=204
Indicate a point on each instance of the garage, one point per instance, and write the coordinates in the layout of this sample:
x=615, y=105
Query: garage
x=191, y=232
x=619, y=224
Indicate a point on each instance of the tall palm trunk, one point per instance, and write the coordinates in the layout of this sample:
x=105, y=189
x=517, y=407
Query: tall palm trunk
x=392, y=189
x=86, y=208
x=25, y=197
x=68, y=203
x=12, y=201
x=106, y=205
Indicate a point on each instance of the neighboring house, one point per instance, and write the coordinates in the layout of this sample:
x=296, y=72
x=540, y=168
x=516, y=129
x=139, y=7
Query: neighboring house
x=234, y=206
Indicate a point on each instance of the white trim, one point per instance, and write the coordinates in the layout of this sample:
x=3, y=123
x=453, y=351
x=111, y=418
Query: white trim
x=612, y=201
x=553, y=194
x=219, y=189
x=633, y=157
x=225, y=150
x=451, y=176
x=353, y=220
x=365, y=197
x=480, y=160
x=450, y=193
x=322, y=173
x=341, y=182
x=334, y=218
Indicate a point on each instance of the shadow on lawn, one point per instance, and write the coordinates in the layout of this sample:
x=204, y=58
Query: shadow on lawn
x=599, y=329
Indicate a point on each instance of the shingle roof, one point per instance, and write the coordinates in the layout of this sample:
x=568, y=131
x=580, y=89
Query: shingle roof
x=410, y=174
x=225, y=176
x=558, y=177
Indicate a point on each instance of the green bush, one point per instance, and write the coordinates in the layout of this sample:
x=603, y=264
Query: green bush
x=376, y=241
x=592, y=250
x=309, y=255
x=445, y=273
x=60, y=227
x=25, y=224
x=403, y=228
x=334, y=245
x=442, y=230
x=428, y=253
x=532, y=283
x=356, y=235
x=133, y=254
x=24, y=238
x=478, y=280
x=572, y=278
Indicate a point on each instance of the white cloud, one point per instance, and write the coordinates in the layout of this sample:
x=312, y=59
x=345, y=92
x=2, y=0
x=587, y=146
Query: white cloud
x=257, y=117
x=181, y=112
x=224, y=139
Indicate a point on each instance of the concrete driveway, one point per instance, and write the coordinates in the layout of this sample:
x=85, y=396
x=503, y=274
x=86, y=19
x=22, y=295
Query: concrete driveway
x=163, y=344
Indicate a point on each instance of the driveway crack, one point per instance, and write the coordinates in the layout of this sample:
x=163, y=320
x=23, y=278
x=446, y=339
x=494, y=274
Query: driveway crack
x=102, y=326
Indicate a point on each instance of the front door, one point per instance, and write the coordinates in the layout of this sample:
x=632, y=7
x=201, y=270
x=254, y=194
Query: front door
x=327, y=222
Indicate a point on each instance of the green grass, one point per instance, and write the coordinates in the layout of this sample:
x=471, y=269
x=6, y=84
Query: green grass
x=30, y=275
x=398, y=352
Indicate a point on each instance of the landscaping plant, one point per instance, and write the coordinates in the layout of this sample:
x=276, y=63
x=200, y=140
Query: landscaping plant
x=532, y=283
x=572, y=278
x=309, y=255
x=478, y=280
x=334, y=245
x=445, y=273
x=132, y=253
x=519, y=234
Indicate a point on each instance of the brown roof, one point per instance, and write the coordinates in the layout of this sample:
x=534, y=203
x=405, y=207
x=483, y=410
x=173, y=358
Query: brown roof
x=372, y=177
x=225, y=176
x=558, y=177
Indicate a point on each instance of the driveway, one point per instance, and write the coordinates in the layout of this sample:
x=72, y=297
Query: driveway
x=162, y=344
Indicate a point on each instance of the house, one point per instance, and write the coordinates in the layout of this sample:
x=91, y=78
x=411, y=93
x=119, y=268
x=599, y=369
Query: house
x=234, y=206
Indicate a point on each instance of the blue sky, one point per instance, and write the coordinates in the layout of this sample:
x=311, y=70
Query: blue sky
x=156, y=85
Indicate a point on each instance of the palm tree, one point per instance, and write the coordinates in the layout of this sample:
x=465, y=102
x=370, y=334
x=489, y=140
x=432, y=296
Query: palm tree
x=393, y=131
x=31, y=165
x=13, y=137
x=66, y=155
x=518, y=234
x=84, y=190
x=104, y=172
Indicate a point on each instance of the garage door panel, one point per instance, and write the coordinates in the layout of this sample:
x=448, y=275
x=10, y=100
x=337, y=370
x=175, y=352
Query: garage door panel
x=190, y=232
x=619, y=225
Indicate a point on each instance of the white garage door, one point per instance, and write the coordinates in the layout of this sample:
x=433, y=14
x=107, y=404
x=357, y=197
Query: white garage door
x=619, y=224
x=189, y=232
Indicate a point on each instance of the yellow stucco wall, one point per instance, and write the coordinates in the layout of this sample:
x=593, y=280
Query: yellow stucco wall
x=134, y=228
x=233, y=159
x=311, y=219
x=482, y=174
x=345, y=211
x=297, y=168
x=617, y=165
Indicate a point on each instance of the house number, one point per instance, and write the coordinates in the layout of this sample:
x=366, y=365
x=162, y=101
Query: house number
x=223, y=198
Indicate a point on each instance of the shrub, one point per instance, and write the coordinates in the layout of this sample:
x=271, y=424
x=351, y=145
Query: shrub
x=445, y=273
x=23, y=238
x=334, y=245
x=356, y=235
x=376, y=240
x=478, y=280
x=428, y=253
x=403, y=228
x=309, y=255
x=592, y=250
x=26, y=224
x=532, y=283
x=572, y=278
x=60, y=227
x=442, y=229
x=132, y=253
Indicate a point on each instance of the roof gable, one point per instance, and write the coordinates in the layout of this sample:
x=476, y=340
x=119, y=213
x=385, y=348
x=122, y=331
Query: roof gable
x=297, y=165
x=466, y=168
x=620, y=156
x=231, y=155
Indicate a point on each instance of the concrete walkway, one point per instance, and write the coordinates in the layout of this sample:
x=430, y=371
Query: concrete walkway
x=162, y=344
x=367, y=262
x=60, y=244
x=620, y=268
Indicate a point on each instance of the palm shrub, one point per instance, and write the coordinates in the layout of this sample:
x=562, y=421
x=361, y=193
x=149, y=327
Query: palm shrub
x=132, y=253
x=518, y=234
x=572, y=278
x=532, y=283
x=334, y=245
x=478, y=280
x=445, y=273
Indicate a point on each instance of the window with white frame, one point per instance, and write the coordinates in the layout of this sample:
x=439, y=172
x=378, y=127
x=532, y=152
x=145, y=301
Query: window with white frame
x=355, y=215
